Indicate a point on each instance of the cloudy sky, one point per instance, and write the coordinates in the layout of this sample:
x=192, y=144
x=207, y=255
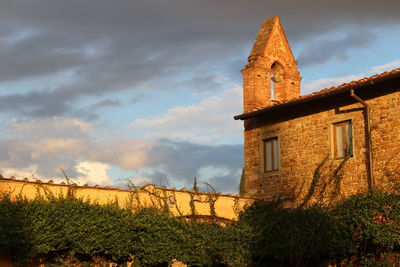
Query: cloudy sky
x=146, y=90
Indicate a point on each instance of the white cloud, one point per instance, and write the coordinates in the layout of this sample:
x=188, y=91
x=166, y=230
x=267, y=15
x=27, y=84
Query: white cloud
x=20, y=173
x=208, y=120
x=329, y=82
x=93, y=173
x=126, y=153
x=49, y=145
x=385, y=67
x=88, y=173
x=88, y=159
x=56, y=127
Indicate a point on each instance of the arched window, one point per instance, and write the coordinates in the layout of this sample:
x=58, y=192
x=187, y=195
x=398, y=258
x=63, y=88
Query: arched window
x=276, y=77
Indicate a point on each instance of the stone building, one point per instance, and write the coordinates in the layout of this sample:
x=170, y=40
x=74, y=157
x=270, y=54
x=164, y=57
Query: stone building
x=323, y=146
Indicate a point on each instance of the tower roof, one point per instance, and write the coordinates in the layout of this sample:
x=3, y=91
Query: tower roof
x=269, y=27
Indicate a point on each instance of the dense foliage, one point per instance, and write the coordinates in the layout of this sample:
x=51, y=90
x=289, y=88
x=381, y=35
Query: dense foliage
x=290, y=237
x=62, y=229
x=362, y=229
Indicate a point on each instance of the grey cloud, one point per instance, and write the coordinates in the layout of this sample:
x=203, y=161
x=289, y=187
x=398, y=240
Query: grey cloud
x=112, y=47
x=42, y=103
x=18, y=154
x=158, y=178
x=182, y=160
x=55, y=127
x=58, y=143
x=226, y=184
x=49, y=144
x=37, y=55
x=107, y=103
x=321, y=51
x=179, y=160
x=120, y=46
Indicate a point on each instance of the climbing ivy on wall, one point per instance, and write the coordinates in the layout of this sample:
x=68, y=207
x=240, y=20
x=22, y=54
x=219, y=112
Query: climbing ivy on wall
x=242, y=189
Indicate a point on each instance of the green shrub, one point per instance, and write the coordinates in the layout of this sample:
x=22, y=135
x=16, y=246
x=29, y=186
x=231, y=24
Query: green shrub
x=63, y=226
x=365, y=229
x=371, y=222
x=161, y=238
x=62, y=229
x=292, y=237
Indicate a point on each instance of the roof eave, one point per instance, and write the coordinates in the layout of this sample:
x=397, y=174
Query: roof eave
x=289, y=104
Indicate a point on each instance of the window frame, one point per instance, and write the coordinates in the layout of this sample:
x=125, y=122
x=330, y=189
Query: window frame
x=347, y=143
x=275, y=157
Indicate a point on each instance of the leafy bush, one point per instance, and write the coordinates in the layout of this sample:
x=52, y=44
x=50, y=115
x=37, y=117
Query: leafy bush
x=361, y=230
x=290, y=237
x=371, y=222
x=62, y=229
x=63, y=226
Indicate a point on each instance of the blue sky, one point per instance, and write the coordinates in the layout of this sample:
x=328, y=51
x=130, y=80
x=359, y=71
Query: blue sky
x=146, y=90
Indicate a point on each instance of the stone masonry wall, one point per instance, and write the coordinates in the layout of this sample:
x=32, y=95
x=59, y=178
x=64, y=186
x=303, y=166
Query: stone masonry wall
x=306, y=145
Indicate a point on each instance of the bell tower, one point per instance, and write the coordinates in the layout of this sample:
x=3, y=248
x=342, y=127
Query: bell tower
x=271, y=74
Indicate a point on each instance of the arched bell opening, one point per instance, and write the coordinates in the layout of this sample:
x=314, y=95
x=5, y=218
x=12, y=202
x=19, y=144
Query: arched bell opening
x=277, y=74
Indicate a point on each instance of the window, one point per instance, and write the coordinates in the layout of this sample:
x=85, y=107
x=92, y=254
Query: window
x=342, y=133
x=271, y=154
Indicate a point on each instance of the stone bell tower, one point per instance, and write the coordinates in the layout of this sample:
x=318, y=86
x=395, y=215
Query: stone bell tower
x=271, y=74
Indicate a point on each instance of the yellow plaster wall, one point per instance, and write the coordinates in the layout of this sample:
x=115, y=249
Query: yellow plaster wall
x=180, y=202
